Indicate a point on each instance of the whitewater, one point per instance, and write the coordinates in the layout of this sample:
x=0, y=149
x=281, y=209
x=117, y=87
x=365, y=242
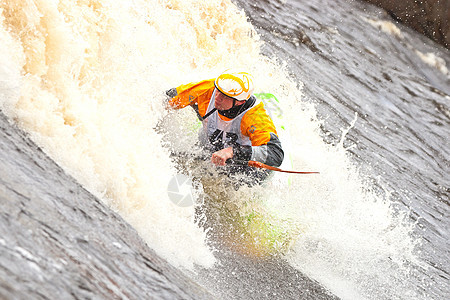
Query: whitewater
x=87, y=79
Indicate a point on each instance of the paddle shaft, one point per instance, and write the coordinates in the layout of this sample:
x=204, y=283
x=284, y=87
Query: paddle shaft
x=250, y=163
x=257, y=164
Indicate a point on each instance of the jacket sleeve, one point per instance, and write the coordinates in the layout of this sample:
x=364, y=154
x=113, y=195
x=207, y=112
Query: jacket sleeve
x=197, y=93
x=266, y=146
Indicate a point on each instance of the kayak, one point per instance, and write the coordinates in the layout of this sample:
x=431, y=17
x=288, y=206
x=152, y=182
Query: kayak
x=266, y=230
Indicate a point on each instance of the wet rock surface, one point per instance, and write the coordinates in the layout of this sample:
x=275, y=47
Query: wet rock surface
x=57, y=241
x=430, y=17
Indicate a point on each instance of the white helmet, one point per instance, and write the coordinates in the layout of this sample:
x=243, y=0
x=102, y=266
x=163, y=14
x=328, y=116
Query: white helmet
x=235, y=84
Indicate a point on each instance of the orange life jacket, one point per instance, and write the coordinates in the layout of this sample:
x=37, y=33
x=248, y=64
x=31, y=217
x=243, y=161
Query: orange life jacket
x=254, y=124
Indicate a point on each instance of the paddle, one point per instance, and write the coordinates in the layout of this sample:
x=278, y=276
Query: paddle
x=250, y=163
x=257, y=164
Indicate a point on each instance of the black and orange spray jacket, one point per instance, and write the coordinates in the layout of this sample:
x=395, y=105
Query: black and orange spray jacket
x=254, y=124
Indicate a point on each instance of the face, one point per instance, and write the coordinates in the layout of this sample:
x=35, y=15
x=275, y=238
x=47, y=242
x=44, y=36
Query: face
x=222, y=102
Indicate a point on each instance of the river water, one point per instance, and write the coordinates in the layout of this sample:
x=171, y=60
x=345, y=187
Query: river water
x=352, y=60
x=366, y=102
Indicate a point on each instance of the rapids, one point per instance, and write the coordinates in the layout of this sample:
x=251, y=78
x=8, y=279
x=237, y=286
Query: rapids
x=365, y=100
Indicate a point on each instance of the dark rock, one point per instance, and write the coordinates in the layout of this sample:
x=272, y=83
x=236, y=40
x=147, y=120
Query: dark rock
x=57, y=241
x=430, y=17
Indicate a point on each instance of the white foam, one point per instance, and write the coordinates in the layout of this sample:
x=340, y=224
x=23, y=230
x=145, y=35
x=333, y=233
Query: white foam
x=385, y=26
x=434, y=61
x=92, y=77
x=429, y=58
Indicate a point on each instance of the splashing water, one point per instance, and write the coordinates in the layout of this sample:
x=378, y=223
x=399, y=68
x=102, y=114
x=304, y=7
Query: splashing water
x=86, y=79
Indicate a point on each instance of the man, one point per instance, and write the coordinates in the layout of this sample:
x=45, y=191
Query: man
x=236, y=126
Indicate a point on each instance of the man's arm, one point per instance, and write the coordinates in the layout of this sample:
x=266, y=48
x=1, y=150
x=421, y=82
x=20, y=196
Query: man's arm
x=271, y=153
x=197, y=93
x=266, y=146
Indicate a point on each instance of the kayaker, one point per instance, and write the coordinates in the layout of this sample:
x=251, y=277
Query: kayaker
x=235, y=124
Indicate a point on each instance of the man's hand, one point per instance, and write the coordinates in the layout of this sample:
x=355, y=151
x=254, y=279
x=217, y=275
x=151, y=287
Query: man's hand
x=220, y=157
